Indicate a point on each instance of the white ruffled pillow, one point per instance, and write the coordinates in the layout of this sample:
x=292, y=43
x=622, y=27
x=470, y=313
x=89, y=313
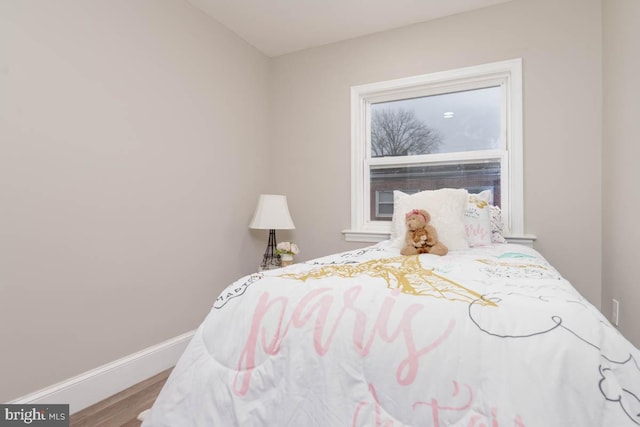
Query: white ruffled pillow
x=477, y=219
x=446, y=207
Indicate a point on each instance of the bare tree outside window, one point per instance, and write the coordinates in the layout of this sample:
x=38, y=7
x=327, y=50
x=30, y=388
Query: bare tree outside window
x=398, y=132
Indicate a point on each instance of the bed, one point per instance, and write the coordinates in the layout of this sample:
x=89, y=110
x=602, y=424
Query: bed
x=486, y=336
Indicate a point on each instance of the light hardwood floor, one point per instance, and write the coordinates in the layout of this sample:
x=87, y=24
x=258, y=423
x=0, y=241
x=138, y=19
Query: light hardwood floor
x=122, y=409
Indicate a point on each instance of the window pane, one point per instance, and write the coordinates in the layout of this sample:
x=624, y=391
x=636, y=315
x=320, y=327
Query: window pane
x=475, y=177
x=386, y=210
x=385, y=197
x=447, y=123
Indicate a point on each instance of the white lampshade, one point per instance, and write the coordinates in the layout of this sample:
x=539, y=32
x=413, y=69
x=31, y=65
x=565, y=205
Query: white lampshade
x=272, y=213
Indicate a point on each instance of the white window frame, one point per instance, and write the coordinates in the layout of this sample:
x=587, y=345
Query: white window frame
x=507, y=74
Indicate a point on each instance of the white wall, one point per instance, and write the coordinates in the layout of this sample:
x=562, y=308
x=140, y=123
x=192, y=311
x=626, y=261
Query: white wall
x=621, y=151
x=132, y=140
x=560, y=44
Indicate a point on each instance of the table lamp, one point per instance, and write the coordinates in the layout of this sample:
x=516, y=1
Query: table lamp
x=272, y=213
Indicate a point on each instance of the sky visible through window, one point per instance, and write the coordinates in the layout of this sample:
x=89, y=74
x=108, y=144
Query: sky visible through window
x=464, y=121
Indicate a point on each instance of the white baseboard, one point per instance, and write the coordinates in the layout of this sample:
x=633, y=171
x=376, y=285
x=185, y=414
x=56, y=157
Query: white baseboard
x=97, y=384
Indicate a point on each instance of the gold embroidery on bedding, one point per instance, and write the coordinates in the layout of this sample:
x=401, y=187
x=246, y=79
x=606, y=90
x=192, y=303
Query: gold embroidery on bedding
x=404, y=273
x=510, y=265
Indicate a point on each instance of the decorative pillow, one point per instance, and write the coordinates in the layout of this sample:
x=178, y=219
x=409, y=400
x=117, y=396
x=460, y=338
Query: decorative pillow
x=495, y=214
x=446, y=207
x=477, y=219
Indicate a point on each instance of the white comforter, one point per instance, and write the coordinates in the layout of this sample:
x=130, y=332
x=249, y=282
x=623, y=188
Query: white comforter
x=487, y=337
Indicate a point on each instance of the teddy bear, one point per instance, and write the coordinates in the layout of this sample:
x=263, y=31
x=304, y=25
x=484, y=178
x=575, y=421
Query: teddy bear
x=421, y=237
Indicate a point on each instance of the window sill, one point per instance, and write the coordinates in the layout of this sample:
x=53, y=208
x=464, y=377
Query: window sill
x=522, y=239
x=379, y=236
x=365, y=236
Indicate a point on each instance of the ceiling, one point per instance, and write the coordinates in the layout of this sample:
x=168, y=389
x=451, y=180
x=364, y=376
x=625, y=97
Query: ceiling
x=277, y=27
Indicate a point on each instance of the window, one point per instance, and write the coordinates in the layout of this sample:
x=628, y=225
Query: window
x=384, y=202
x=458, y=129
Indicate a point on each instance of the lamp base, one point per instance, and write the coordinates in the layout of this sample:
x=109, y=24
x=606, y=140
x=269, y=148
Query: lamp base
x=271, y=259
